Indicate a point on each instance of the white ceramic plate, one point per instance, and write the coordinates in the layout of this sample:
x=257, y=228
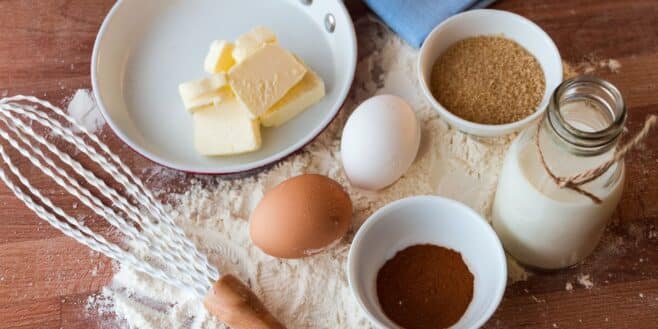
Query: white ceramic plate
x=145, y=48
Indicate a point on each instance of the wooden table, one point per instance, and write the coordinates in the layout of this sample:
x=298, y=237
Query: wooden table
x=45, y=278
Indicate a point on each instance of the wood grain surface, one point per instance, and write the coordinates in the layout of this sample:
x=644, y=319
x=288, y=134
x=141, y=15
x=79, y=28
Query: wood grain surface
x=46, y=278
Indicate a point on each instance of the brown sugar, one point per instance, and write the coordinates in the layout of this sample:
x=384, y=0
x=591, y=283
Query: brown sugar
x=425, y=287
x=488, y=80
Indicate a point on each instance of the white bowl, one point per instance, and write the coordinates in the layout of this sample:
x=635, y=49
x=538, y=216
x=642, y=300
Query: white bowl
x=428, y=220
x=490, y=22
x=145, y=48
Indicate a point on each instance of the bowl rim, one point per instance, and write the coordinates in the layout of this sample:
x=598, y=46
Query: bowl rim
x=411, y=202
x=470, y=126
x=251, y=167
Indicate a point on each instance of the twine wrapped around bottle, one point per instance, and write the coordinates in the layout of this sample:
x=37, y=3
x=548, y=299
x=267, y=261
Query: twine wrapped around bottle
x=575, y=182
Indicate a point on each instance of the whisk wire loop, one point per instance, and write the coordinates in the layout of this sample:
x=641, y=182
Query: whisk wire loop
x=146, y=238
x=184, y=266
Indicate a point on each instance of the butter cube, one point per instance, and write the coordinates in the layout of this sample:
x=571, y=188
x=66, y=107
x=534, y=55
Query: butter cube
x=306, y=93
x=225, y=129
x=251, y=41
x=219, y=58
x=263, y=78
x=200, y=93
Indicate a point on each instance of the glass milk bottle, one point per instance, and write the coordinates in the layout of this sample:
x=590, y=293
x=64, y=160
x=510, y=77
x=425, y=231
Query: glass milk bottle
x=539, y=223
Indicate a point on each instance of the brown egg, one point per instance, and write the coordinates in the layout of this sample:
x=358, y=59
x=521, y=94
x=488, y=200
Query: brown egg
x=301, y=216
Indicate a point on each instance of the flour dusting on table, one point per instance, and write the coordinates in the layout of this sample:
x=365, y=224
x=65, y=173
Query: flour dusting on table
x=311, y=292
x=83, y=108
x=585, y=280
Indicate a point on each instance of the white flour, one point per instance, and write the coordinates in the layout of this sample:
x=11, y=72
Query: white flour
x=84, y=110
x=585, y=280
x=311, y=292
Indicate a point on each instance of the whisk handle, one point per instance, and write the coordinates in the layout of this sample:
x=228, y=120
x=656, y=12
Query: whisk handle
x=233, y=302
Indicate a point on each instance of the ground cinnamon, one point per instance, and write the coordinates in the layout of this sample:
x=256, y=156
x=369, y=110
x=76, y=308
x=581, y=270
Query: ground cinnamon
x=425, y=287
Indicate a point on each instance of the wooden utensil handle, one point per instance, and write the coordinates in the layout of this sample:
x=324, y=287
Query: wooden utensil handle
x=233, y=302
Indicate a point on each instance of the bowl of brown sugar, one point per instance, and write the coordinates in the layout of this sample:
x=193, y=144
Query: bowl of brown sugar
x=489, y=72
x=427, y=262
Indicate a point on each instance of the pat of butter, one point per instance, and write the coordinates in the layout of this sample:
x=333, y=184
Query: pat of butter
x=251, y=41
x=263, y=78
x=219, y=58
x=204, y=92
x=225, y=129
x=306, y=93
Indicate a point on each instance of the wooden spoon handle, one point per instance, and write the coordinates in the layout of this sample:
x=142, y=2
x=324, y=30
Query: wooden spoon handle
x=233, y=302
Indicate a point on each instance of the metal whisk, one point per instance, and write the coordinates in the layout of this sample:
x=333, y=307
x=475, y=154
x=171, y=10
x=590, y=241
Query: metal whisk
x=131, y=209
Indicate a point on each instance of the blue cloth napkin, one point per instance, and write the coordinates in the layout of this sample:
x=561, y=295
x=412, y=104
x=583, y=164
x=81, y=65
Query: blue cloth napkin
x=413, y=20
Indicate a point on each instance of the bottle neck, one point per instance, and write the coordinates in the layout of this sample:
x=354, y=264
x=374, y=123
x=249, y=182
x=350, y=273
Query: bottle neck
x=586, y=116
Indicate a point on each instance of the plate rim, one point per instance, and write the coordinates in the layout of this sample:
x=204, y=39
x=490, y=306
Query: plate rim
x=253, y=166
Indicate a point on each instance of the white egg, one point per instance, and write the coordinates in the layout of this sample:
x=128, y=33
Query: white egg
x=380, y=141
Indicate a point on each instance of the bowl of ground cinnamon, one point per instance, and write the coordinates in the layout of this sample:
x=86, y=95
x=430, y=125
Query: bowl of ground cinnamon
x=489, y=72
x=427, y=262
